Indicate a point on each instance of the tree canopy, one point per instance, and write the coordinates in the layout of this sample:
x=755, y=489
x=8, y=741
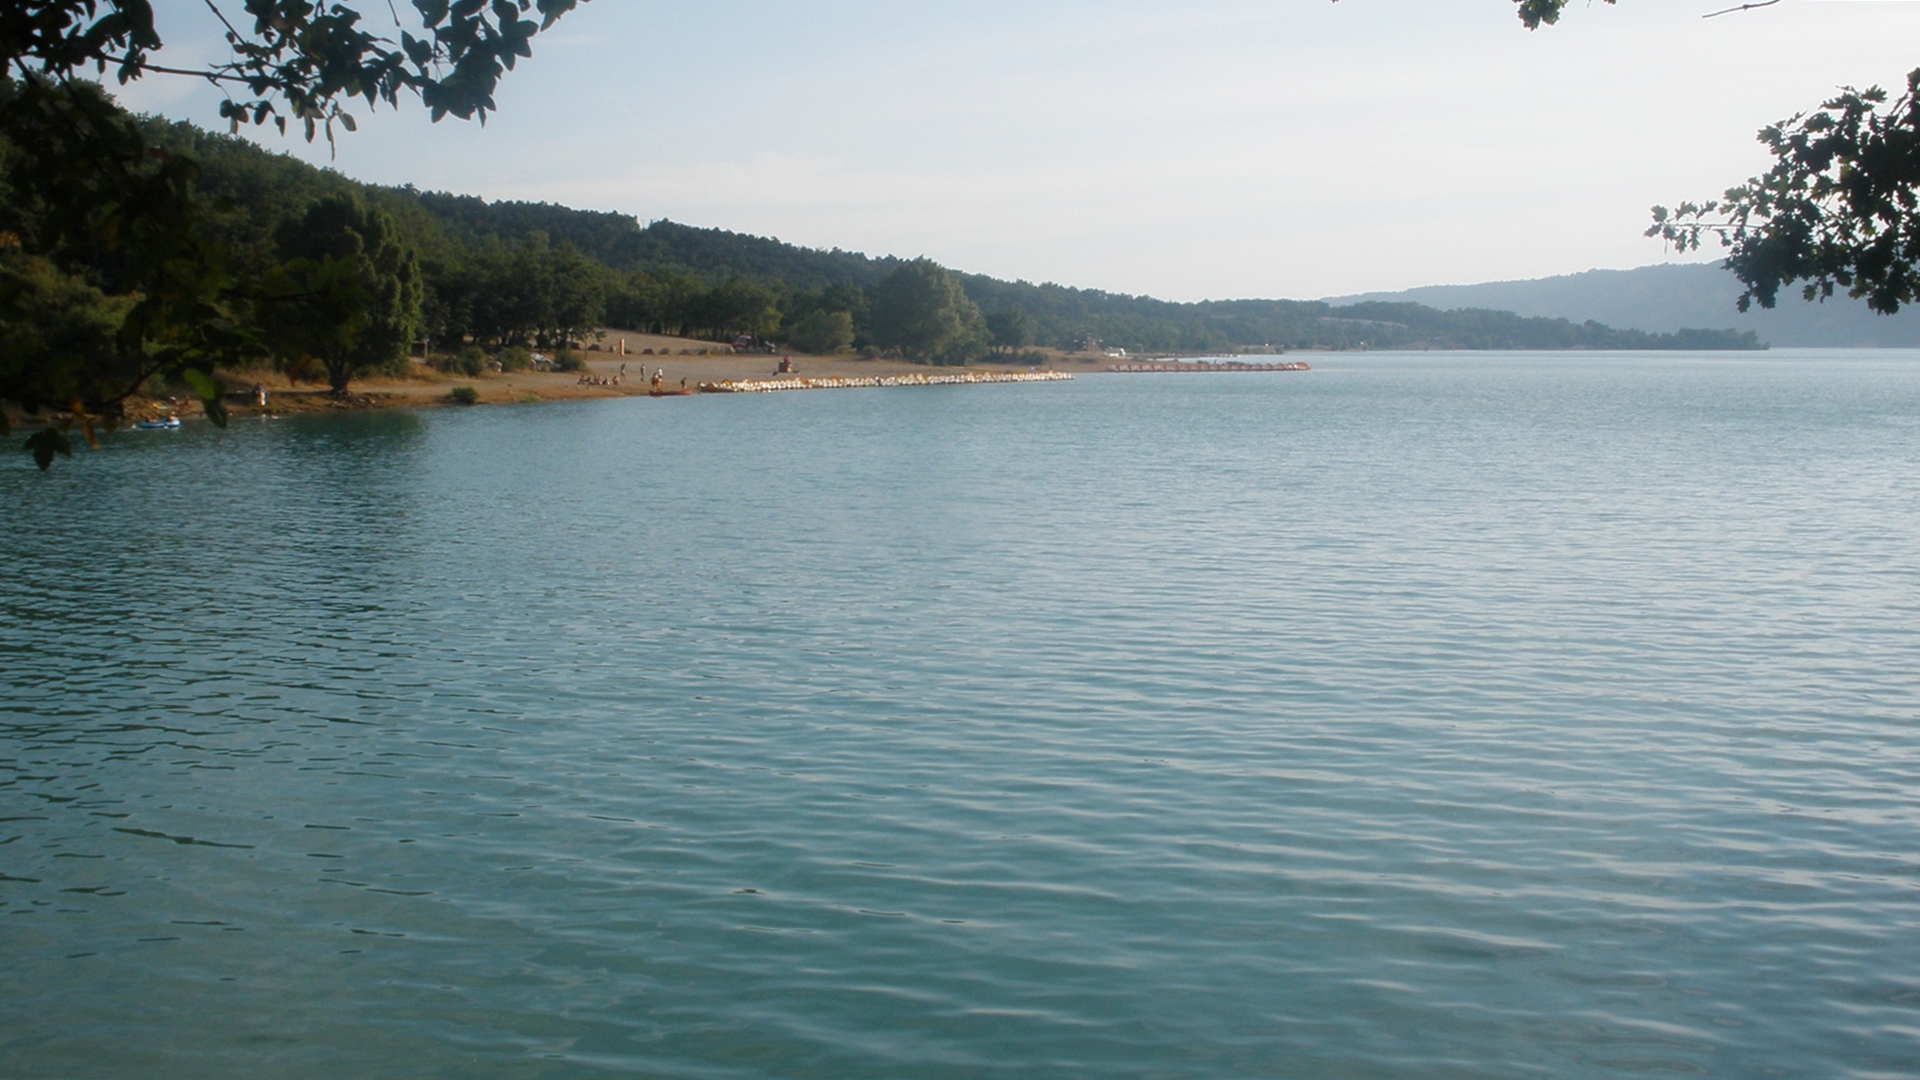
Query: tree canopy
x=1840, y=208
x=90, y=203
x=921, y=311
x=348, y=295
x=293, y=58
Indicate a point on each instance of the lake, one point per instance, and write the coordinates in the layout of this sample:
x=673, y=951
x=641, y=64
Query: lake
x=1423, y=715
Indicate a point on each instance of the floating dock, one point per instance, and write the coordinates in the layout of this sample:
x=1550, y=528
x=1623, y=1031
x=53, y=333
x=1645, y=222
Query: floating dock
x=1212, y=365
x=860, y=382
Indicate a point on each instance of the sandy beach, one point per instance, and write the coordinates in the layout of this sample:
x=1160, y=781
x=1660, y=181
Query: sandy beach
x=679, y=359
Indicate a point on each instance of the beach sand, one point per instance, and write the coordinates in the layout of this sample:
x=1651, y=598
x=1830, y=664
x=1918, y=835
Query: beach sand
x=679, y=358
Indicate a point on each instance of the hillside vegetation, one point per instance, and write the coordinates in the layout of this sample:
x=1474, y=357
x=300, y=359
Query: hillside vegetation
x=504, y=273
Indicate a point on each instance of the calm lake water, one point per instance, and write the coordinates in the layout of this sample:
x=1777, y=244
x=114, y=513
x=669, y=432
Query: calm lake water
x=1418, y=716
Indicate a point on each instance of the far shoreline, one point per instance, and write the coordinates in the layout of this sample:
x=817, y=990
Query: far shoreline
x=675, y=358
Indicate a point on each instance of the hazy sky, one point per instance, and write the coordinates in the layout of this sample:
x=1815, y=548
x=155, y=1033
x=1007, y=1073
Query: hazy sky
x=1204, y=148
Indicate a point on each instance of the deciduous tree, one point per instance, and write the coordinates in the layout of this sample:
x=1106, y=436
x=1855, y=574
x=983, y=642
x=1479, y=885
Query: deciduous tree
x=1010, y=328
x=348, y=295
x=920, y=310
x=736, y=306
x=823, y=333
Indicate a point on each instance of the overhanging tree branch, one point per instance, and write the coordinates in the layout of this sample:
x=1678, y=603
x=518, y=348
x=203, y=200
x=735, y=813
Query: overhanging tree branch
x=1840, y=209
x=1742, y=7
x=100, y=199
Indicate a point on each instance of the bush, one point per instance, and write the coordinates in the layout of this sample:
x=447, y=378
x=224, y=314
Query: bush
x=471, y=360
x=823, y=333
x=568, y=360
x=514, y=358
x=464, y=395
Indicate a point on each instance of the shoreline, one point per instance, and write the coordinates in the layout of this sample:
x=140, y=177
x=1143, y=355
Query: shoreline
x=963, y=377
x=699, y=363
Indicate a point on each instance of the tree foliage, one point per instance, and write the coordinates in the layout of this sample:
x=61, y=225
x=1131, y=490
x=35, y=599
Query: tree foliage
x=1534, y=13
x=479, y=258
x=293, y=58
x=921, y=311
x=1010, y=329
x=530, y=293
x=58, y=342
x=348, y=294
x=1840, y=208
x=737, y=306
x=87, y=193
x=823, y=333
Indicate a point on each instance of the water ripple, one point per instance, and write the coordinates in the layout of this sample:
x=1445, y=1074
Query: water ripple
x=1423, y=716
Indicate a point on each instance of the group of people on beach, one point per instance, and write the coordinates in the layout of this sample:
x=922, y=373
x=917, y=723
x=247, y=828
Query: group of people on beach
x=659, y=378
x=590, y=379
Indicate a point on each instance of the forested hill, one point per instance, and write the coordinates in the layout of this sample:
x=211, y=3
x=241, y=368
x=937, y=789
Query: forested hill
x=483, y=258
x=620, y=242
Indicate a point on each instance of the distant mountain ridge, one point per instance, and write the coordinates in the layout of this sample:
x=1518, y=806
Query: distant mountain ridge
x=1667, y=297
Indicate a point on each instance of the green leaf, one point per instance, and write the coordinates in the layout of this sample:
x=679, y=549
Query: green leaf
x=202, y=384
x=45, y=443
x=209, y=390
x=420, y=52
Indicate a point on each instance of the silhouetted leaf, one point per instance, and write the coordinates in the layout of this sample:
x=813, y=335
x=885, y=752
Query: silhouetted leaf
x=45, y=443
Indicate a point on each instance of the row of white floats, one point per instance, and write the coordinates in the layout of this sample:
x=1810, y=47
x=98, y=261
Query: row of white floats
x=852, y=382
